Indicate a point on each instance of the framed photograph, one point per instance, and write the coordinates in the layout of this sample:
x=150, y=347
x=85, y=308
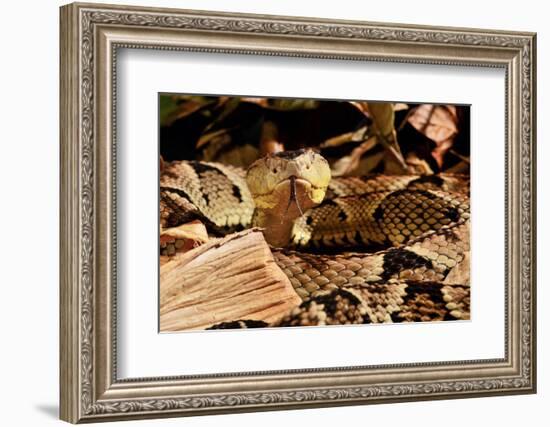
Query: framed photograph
x=266, y=212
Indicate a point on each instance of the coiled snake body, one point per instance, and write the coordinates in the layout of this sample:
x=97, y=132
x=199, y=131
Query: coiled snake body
x=356, y=249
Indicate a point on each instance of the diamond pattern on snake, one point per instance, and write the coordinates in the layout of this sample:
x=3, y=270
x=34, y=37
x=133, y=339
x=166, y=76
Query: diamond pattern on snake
x=357, y=249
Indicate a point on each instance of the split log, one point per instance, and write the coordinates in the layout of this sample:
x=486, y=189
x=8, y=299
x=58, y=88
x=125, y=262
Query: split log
x=223, y=280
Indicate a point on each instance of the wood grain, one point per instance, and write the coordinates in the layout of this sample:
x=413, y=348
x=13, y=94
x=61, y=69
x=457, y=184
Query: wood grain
x=223, y=280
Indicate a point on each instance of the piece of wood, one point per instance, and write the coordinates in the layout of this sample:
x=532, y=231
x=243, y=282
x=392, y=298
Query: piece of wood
x=224, y=280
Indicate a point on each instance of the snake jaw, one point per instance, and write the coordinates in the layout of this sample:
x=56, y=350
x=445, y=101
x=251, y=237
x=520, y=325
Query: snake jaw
x=288, y=193
x=284, y=186
x=267, y=173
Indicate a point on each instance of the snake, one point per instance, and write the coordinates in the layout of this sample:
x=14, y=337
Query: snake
x=357, y=250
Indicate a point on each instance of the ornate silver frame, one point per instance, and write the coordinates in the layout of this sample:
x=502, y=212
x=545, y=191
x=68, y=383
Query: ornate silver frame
x=90, y=36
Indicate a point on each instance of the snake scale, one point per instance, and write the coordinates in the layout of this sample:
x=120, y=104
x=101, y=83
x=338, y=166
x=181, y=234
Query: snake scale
x=357, y=250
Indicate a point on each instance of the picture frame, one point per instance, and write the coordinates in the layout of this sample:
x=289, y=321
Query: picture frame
x=91, y=37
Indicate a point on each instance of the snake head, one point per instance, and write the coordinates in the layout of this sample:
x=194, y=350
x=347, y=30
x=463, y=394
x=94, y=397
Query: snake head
x=289, y=182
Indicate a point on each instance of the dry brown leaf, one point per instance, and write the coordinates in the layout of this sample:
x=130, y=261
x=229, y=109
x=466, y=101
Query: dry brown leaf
x=227, y=105
x=418, y=166
x=338, y=140
x=383, y=126
x=357, y=136
x=368, y=163
x=439, y=123
x=460, y=167
x=400, y=106
x=214, y=143
x=460, y=273
x=213, y=136
x=289, y=104
x=262, y=102
x=184, y=108
x=381, y=113
x=217, y=147
x=347, y=165
x=383, y=117
x=361, y=106
x=269, y=140
x=239, y=156
x=182, y=238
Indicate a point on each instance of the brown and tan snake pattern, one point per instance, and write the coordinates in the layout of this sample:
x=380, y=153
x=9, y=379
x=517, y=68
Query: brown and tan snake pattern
x=376, y=249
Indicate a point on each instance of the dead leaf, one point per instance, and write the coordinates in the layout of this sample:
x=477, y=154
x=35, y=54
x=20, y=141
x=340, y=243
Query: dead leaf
x=347, y=165
x=418, y=166
x=439, y=123
x=214, y=144
x=383, y=126
x=262, y=102
x=173, y=107
x=460, y=167
x=292, y=104
x=269, y=140
x=368, y=163
x=228, y=105
x=381, y=113
x=217, y=147
x=357, y=136
x=239, y=156
x=182, y=238
x=383, y=117
x=460, y=273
